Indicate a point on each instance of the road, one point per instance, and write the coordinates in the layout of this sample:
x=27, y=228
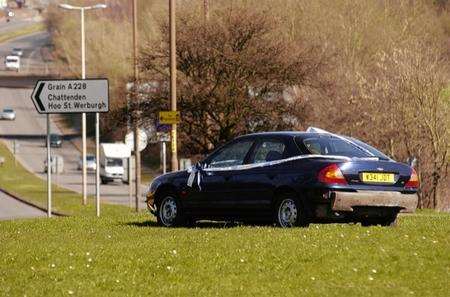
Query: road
x=31, y=61
x=14, y=24
x=11, y=208
x=29, y=130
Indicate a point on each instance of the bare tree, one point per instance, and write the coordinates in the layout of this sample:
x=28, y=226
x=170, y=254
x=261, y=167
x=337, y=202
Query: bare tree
x=234, y=77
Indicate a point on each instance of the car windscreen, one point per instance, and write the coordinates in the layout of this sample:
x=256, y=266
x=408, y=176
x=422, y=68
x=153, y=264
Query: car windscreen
x=8, y=110
x=54, y=137
x=113, y=162
x=12, y=60
x=331, y=145
x=90, y=158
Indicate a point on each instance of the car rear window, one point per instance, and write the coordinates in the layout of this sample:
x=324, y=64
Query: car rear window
x=329, y=145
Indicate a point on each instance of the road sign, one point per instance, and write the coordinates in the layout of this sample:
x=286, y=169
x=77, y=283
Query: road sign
x=143, y=140
x=169, y=117
x=71, y=96
x=163, y=136
x=163, y=127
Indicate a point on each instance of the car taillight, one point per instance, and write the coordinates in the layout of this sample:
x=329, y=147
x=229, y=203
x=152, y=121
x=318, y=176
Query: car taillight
x=413, y=181
x=331, y=175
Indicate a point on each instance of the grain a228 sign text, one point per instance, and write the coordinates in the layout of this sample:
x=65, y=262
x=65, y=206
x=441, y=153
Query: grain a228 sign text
x=71, y=96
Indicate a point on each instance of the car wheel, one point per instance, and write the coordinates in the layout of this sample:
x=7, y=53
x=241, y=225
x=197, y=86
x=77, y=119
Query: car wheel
x=104, y=181
x=169, y=212
x=289, y=212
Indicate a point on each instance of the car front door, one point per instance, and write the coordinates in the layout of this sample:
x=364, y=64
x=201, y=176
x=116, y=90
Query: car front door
x=215, y=196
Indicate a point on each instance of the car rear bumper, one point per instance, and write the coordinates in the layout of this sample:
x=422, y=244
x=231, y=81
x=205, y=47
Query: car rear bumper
x=346, y=201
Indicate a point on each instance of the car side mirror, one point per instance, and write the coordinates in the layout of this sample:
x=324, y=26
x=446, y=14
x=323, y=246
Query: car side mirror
x=200, y=165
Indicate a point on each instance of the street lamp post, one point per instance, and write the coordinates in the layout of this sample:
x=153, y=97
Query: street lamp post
x=82, y=9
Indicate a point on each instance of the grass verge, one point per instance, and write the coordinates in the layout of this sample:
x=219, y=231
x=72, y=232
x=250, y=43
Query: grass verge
x=17, y=180
x=21, y=32
x=129, y=255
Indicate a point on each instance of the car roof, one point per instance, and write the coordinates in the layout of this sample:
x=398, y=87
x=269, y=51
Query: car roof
x=280, y=134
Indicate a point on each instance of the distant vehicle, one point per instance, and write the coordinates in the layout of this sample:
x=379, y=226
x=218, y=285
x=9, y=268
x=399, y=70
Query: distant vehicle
x=55, y=140
x=17, y=51
x=57, y=164
x=112, y=157
x=290, y=179
x=12, y=63
x=8, y=114
x=8, y=14
x=91, y=165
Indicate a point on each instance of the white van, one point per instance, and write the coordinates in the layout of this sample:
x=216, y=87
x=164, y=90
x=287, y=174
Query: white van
x=112, y=159
x=12, y=63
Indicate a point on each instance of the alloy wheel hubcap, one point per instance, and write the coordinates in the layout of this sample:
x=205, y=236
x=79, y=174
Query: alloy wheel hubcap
x=287, y=213
x=168, y=211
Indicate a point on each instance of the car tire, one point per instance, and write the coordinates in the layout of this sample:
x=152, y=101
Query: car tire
x=290, y=212
x=169, y=212
x=104, y=181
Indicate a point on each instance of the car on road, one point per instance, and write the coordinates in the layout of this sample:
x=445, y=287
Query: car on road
x=55, y=140
x=8, y=114
x=290, y=179
x=12, y=63
x=91, y=165
x=17, y=51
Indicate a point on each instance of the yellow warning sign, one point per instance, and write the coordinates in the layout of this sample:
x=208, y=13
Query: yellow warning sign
x=169, y=117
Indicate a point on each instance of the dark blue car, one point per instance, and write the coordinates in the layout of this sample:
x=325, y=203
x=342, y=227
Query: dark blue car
x=290, y=179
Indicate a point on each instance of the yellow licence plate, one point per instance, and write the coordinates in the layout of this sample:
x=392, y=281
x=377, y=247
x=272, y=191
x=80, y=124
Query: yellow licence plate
x=378, y=177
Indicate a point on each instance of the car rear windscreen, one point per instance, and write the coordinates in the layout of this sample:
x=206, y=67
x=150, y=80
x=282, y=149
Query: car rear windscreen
x=330, y=145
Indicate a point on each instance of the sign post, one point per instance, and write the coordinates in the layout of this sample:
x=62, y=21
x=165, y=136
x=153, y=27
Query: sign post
x=142, y=144
x=71, y=96
x=49, y=171
x=171, y=118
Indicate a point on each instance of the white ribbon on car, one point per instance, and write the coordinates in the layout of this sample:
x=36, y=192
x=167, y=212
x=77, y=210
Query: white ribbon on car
x=195, y=172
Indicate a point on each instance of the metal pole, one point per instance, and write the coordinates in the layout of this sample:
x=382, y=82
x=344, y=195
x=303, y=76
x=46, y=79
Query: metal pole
x=130, y=182
x=49, y=172
x=83, y=115
x=173, y=81
x=164, y=157
x=97, y=160
x=137, y=154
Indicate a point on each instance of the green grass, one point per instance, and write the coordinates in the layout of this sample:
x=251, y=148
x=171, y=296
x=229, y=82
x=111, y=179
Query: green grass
x=21, y=32
x=123, y=253
x=129, y=255
x=17, y=180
